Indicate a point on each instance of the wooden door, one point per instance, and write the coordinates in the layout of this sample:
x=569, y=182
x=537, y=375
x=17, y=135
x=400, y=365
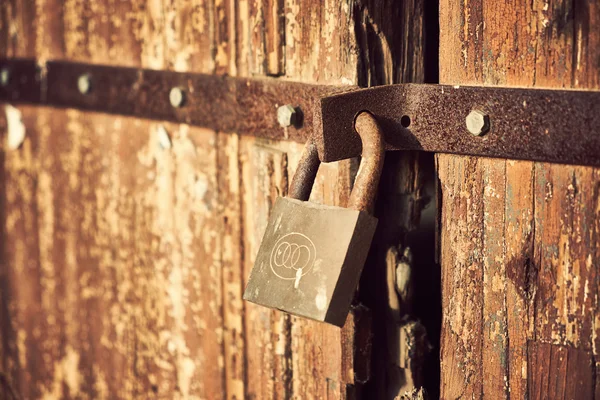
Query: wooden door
x=519, y=240
x=126, y=243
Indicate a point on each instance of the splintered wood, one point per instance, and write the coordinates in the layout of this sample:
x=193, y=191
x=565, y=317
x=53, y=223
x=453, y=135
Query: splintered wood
x=520, y=241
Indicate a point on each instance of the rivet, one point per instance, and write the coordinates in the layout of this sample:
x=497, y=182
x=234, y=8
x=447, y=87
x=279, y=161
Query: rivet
x=176, y=97
x=4, y=76
x=84, y=83
x=478, y=123
x=286, y=115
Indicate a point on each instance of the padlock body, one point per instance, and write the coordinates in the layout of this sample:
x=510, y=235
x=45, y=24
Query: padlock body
x=310, y=259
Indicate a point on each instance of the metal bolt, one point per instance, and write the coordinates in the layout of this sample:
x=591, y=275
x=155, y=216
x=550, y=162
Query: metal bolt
x=286, y=115
x=4, y=76
x=478, y=123
x=84, y=83
x=176, y=97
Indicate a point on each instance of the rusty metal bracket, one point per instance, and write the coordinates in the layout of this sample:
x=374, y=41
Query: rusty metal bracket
x=541, y=125
x=561, y=126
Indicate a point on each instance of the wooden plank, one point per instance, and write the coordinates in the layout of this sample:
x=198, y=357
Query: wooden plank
x=320, y=42
x=232, y=228
x=257, y=48
x=559, y=372
x=264, y=177
x=76, y=30
x=549, y=234
x=462, y=239
x=4, y=28
x=180, y=36
x=266, y=19
x=189, y=34
x=224, y=37
x=23, y=38
x=230, y=203
x=241, y=12
x=565, y=247
x=20, y=304
x=112, y=327
x=49, y=30
x=190, y=241
x=274, y=46
x=495, y=340
x=520, y=270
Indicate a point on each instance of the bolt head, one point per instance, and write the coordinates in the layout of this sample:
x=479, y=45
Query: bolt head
x=84, y=83
x=176, y=97
x=478, y=123
x=286, y=115
x=4, y=76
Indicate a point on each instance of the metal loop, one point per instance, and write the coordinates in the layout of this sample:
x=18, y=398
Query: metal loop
x=364, y=192
x=305, y=174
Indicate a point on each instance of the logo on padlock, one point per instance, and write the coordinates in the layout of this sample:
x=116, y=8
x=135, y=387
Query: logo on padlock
x=293, y=256
x=311, y=256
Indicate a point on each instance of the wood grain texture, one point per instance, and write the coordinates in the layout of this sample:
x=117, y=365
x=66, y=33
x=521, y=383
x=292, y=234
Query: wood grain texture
x=130, y=290
x=560, y=372
x=265, y=177
x=230, y=229
x=266, y=17
x=462, y=261
x=536, y=241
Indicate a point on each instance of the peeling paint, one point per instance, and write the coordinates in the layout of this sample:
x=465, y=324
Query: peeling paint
x=66, y=372
x=15, y=127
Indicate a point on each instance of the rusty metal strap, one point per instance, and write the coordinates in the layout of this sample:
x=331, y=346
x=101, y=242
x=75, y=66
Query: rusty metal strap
x=561, y=126
x=222, y=103
x=541, y=125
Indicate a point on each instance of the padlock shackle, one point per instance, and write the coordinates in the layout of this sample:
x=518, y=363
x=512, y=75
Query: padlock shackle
x=364, y=191
x=305, y=174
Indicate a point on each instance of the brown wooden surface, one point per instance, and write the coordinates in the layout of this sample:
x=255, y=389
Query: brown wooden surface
x=519, y=240
x=123, y=262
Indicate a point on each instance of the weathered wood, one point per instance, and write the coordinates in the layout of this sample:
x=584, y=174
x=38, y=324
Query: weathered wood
x=534, y=246
x=320, y=41
x=266, y=19
x=128, y=280
x=461, y=242
x=518, y=237
x=264, y=176
x=559, y=372
x=126, y=243
x=230, y=230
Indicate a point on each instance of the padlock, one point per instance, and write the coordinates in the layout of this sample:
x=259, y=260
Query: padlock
x=311, y=256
